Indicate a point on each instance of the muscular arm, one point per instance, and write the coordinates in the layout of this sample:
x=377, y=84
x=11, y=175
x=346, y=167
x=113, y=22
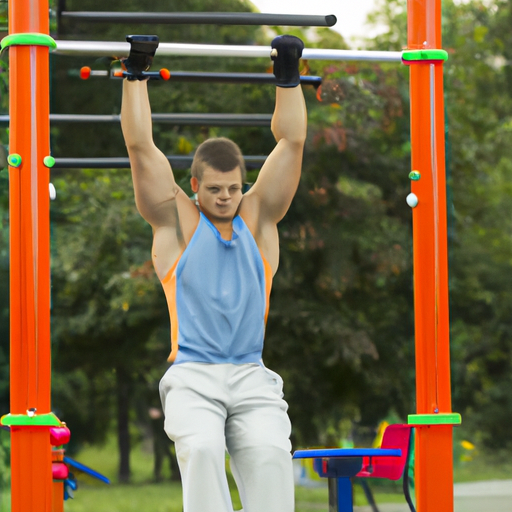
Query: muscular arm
x=160, y=201
x=153, y=180
x=279, y=177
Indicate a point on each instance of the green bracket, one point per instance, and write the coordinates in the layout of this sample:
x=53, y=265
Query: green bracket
x=28, y=38
x=419, y=55
x=25, y=420
x=49, y=161
x=450, y=418
x=14, y=160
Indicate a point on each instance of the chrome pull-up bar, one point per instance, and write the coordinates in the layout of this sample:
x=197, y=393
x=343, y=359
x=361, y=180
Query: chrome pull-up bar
x=203, y=18
x=121, y=49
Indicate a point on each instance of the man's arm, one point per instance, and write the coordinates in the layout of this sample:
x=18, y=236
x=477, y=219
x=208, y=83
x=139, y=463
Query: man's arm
x=160, y=201
x=279, y=177
x=280, y=174
x=153, y=180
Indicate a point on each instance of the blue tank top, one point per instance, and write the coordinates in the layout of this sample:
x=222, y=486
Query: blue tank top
x=218, y=293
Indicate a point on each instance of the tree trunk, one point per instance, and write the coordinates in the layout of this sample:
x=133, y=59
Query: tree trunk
x=123, y=431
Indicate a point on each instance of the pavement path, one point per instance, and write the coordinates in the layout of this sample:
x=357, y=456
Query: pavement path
x=490, y=496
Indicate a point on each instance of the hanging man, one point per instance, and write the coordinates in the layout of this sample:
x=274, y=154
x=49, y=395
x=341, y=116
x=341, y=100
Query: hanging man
x=216, y=261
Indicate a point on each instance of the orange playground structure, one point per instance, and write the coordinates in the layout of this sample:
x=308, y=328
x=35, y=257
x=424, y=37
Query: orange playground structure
x=31, y=419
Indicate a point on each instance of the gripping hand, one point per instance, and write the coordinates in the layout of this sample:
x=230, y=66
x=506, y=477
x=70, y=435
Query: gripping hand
x=142, y=51
x=286, y=52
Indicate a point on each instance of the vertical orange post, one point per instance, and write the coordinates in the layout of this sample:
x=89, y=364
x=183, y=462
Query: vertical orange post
x=29, y=254
x=434, y=464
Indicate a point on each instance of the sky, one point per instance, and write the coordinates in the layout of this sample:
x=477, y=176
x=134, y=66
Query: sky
x=351, y=14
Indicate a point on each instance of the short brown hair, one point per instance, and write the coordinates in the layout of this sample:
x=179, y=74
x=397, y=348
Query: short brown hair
x=219, y=153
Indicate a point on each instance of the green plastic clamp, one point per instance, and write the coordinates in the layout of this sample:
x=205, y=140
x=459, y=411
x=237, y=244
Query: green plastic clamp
x=14, y=160
x=450, y=418
x=49, y=161
x=28, y=38
x=419, y=55
x=24, y=420
x=414, y=175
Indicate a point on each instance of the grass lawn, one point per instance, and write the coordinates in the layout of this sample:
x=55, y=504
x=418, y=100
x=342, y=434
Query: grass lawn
x=166, y=497
x=144, y=495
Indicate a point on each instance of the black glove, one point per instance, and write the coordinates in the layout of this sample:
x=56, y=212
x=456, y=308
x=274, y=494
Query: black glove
x=286, y=52
x=142, y=51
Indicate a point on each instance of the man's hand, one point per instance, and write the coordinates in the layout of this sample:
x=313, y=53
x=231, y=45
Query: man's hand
x=286, y=52
x=142, y=51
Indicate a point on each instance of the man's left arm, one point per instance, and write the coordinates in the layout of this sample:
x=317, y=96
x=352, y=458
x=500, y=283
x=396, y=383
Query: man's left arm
x=279, y=176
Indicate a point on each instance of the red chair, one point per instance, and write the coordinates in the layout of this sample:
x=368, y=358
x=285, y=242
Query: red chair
x=392, y=468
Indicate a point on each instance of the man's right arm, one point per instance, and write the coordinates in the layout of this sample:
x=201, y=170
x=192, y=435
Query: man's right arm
x=160, y=201
x=153, y=180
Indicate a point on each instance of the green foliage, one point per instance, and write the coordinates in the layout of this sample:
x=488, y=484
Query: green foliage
x=478, y=40
x=105, y=297
x=5, y=456
x=391, y=14
x=345, y=253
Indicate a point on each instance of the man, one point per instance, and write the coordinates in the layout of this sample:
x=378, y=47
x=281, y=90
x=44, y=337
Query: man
x=216, y=262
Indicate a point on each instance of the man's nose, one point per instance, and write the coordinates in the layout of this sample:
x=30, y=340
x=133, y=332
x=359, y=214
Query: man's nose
x=224, y=194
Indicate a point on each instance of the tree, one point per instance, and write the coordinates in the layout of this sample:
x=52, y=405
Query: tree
x=479, y=121
x=341, y=315
x=105, y=306
x=478, y=107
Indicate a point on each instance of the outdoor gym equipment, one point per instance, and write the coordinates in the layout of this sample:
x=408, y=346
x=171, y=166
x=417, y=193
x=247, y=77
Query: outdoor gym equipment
x=30, y=418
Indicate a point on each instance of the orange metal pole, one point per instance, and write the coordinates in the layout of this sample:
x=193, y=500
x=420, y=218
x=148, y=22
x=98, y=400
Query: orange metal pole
x=29, y=257
x=434, y=463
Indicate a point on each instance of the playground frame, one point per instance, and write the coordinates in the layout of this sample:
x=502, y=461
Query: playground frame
x=29, y=172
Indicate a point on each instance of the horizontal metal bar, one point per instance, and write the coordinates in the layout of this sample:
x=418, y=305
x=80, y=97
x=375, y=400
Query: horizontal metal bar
x=204, y=18
x=121, y=49
x=236, y=78
x=175, y=119
x=178, y=162
x=228, y=78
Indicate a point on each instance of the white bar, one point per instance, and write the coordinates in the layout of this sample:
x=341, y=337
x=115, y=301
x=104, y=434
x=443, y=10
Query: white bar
x=117, y=49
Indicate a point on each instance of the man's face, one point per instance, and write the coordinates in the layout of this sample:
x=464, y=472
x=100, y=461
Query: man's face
x=219, y=193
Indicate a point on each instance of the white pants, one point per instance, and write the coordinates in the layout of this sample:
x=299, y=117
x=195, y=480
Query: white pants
x=211, y=407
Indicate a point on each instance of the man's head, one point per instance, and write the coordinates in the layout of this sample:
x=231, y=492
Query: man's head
x=218, y=173
x=220, y=154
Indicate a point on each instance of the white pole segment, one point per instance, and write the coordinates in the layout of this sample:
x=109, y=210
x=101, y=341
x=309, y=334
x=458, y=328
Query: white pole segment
x=119, y=49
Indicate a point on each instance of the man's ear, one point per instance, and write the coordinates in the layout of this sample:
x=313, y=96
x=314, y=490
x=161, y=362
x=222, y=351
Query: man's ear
x=194, y=183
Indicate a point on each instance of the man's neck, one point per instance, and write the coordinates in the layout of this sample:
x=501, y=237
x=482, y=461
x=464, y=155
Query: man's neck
x=224, y=227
